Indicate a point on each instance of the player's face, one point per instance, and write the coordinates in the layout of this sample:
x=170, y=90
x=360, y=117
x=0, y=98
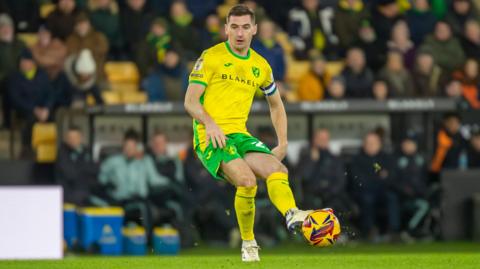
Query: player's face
x=240, y=31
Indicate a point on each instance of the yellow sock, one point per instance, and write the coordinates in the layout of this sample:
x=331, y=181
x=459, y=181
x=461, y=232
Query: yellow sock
x=245, y=210
x=280, y=193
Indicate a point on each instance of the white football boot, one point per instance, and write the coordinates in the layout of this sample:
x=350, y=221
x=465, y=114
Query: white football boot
x=295, y=218
x=250, y=251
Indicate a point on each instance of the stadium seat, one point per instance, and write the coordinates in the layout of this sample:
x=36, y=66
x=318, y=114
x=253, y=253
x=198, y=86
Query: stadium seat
x=46, y=153
x=111, y=98
x=44, y=142
x=335, y=68
x=46, y=9
x=296, y=69
x=134, y=97
x=124, y=87
x=44, y=133
x=28, y=38
x=122, y=72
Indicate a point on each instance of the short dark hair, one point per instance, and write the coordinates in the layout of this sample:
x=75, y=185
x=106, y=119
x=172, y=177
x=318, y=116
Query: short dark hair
x=74, y=128
x=131, y=134
x=240, y=10
x=452, y=115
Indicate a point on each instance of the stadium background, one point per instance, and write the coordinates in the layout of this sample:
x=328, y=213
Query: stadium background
x=354, y=75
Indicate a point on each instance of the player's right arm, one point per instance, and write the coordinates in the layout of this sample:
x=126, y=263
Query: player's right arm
x=193, y=106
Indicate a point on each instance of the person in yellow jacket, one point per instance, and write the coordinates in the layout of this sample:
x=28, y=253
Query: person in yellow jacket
x=313, y=84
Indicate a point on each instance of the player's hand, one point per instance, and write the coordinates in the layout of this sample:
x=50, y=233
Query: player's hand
x=215, y=135
x=280, y=151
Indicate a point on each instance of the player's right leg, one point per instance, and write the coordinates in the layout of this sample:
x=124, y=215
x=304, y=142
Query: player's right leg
x=242, y=177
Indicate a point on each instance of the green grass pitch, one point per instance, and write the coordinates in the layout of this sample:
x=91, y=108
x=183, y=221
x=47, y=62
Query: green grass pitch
x=424, y=256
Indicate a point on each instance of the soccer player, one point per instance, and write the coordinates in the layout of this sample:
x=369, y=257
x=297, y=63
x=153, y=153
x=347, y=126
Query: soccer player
x=221, y=88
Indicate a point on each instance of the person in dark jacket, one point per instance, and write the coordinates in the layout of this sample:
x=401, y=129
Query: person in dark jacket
x=474, y=150
x=471, y=40
x=267, y=46
x=75, y=169
x=384, y=15
x=30, y=95
x=357, y=76
x=410, y=176
x=459, y=13
x=211, y=33
x=25, y=14
x=322, y=175
x=61, y=21
x=371, y=171
x=450, y=144
x=135, y=22
x=10, y=49
x=421, y=20
x=183, y=30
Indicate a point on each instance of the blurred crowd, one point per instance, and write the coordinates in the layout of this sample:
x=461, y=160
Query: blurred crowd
x=384, y=49
x=381, y=193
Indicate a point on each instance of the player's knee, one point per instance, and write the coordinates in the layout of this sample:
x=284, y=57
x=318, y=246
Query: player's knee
x=247, y=180
x=277, y=167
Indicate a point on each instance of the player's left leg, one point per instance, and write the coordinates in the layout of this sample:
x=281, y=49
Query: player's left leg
x=268, y=167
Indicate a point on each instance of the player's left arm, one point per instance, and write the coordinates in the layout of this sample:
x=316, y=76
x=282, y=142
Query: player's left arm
x=279, y=120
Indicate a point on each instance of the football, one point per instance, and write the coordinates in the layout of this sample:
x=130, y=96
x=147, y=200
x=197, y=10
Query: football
x=321, y=228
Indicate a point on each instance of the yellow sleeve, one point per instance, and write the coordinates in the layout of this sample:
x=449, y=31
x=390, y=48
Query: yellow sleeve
x=202, y=70
x=268, y=87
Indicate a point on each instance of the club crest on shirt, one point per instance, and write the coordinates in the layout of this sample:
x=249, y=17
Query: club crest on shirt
x=255, y=71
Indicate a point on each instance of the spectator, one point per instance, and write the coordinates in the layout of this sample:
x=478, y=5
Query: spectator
x=421, y=21
x=62, y=19
x=310, y=29
x=397, y=77
x=74, y=169
x=259, y=12
x=348, y=19
x=183, y=31
x=336, y=88
x=85, y=37
x=380, y=90
x=10, y=49
x=469, y=78
x=371, y=171
x=170, y=167
x=153, y=49
x=367, y=41
x=30, y=95
x=169, y=81
x=129, y=178
x=450, y=144
x=410, y=175
x=400, y=41
x=385, y=14
x=267, y=46
x=200, y=9
x=135, y=21
x=444, y=47
x=276, y=10
x=471, y=40
x=459, y=13
x=322, y=175
x=49, y=53
x=474, y=150
x=358, y=77
x=313, y=84
x=80, y=71
x=25, y=14
x=426, y=76
x=210, y=202
x=210, y=33
x=105, y=18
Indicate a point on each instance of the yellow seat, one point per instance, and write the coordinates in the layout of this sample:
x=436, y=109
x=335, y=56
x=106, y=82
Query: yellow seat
x=46, y=153
x=122, y=72
x=296, y=69
x=28, y=38
x=134, y=97
x=284, y=42
x=334, y=68
x=44, y=133
x=124, y=87
x=46, y=9
x=111, y=98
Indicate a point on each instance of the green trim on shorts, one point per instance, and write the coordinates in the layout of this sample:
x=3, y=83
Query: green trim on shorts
x=238, y=145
